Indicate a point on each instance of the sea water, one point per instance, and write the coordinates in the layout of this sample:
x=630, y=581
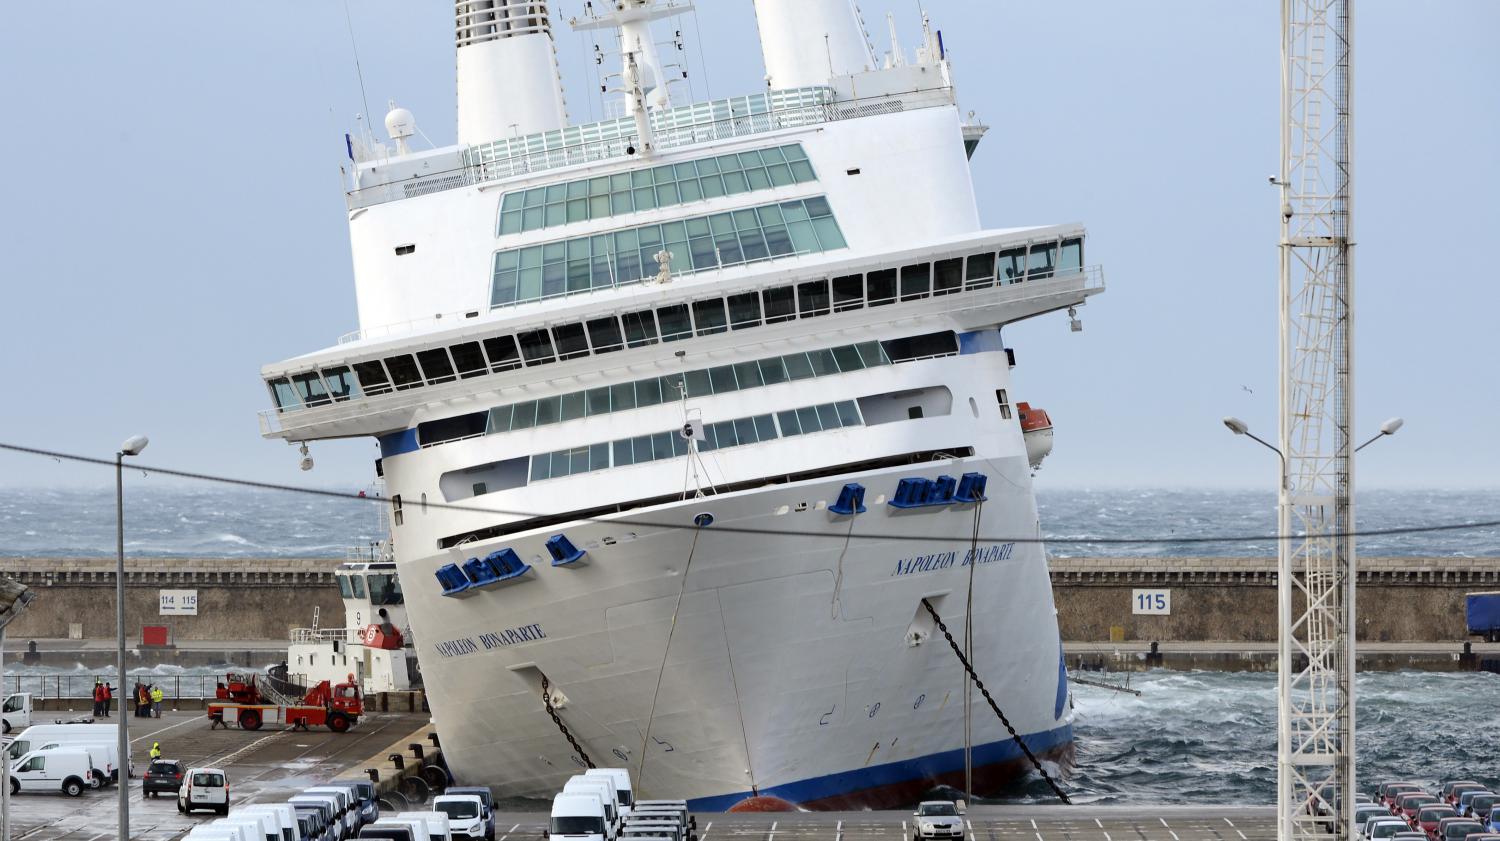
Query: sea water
x=1192, y=737
x=213, y=521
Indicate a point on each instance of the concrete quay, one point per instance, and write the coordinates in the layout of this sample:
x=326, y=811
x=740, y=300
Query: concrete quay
x=263, y=766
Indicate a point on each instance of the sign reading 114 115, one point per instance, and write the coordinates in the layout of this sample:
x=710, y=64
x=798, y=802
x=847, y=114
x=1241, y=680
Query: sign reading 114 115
x=1151, y=602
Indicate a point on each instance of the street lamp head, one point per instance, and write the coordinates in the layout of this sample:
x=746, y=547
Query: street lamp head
x=1237, y=426
x=1390, y=426
x=134, y=445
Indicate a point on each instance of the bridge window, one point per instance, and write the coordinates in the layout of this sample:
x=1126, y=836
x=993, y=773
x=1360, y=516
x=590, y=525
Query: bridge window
x=675, y=323
x=848, y=292
x=341, y=384
x=812, y=298
x=979, y=272
x=404, y=372
x=310, y=389
x=947, y=276
x=709, y=316
x=571, y=343
x=536, y=347
x=916, y=281
x=436, y=365
x=744, y=310
x=1013, y=265
x=604, y=334
x=880, y=287
x=468, y=358
x=384, y=589
x=1071, y=257
x=780, y=304
x=286, y=398
x=502, y=353
x=1041, y=261
x=372, y=377
x=640, y=328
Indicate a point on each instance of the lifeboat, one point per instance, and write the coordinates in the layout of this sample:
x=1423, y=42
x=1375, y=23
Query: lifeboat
x=1036, y=431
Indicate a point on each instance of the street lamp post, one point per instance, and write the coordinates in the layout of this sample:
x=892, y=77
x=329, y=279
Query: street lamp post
x=131, y=447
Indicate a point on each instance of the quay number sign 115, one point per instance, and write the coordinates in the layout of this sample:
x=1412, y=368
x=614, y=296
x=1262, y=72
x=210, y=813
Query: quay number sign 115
x=179, y=602
x=1151, y=602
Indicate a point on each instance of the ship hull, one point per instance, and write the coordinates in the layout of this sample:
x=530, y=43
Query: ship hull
x=781, y=651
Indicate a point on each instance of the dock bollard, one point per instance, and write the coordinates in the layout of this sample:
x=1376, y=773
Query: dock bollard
x=416, y=749
x=433, y=737
x=397, y=760
x=374, y=774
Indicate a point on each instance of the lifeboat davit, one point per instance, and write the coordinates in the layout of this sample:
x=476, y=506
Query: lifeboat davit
x=1036, y=431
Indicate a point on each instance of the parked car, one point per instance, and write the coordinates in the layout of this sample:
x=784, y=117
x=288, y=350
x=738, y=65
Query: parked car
x=1364, y=811
x=1407, y=806
x=69, y=770
x=1386, y=793
x=1409, y=835
x=1457, y=829
x=1461, y=787
x=1446, y=789
x=1467, y=797
x=1427, y=817
x=1480, y=806
x=1382, y=827
x=936, y=819
x=164, y=775
x=204, y=788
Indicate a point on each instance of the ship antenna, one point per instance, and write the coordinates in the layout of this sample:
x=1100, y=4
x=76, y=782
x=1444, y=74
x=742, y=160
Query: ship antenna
x=354, y=44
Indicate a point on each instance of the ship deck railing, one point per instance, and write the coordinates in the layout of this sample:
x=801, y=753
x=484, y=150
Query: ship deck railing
x=1086, y=280
x=614, y=139
x=312, y=635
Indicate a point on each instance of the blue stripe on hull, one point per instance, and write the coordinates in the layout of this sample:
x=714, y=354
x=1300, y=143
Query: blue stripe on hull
x=849, y=783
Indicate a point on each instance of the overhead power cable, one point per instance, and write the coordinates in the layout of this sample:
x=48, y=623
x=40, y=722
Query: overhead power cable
x=623, y=516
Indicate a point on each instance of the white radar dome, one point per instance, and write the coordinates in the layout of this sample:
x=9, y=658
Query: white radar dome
x=400, y=124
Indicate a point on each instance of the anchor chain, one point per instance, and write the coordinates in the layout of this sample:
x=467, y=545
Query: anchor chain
x=1035, y=763
x=556, y=719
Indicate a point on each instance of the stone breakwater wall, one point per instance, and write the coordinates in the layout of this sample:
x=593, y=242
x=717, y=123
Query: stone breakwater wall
x=1211, y=599
x=1234, y=599
x=237, y=599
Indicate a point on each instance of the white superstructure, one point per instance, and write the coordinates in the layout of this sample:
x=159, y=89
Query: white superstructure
x=683, y=414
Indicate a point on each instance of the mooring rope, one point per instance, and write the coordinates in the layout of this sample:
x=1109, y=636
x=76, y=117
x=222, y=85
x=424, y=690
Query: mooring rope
x=1035, y=763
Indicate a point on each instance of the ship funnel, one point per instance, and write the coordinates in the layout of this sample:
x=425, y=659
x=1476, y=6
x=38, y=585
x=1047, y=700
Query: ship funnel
x=508, y=83
x=808, y=42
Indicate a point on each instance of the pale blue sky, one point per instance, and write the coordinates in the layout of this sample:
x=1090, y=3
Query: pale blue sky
x=172, y=217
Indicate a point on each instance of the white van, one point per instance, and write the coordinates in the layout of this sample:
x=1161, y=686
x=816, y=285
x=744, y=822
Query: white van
x=15, y=712
x=264, y=824
x=29, y=739
x=438, y=828
x=465, y=813
x=68, y=770
x=579, y=816
x=348, y=807
x=329, y=806
x=286, y=817
x=225, y=829
x=106, y=754
x=204, y=788
x=624, y=791
x=605, y=789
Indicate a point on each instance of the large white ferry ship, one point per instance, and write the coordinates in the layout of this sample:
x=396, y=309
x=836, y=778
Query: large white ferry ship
x=683, y=415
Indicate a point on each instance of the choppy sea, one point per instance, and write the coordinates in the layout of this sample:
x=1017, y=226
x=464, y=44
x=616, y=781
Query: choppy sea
x=216, y=522
x=1193, y=737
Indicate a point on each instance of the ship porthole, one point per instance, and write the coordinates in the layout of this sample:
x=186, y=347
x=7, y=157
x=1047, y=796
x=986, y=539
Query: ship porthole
x=973, y=407
x=703, y=520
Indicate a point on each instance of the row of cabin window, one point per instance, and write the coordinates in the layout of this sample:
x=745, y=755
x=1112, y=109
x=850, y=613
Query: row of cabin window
x=628, y=256
x=647, y=189
x=657, y=390
x=676, y=322
x=717, y=436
